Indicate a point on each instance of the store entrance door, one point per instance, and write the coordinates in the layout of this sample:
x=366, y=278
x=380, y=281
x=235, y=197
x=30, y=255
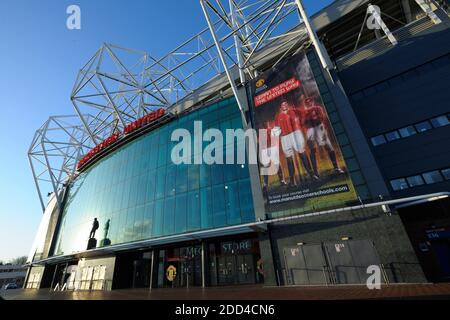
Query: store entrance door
x=442, y=251
x=132, y=270
x=238, y=269
x=180, y=267
x=244, y=269
x=190, y=272
x=226, y=266
x=141, y=273
x=428, y=227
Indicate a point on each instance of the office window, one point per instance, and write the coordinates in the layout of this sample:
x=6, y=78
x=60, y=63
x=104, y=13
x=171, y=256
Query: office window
x=399, y=184
x=440, y=121
x=423, y=126
x=432, y=177
x=376, y=141
x=446, y=173
x=415, y=181
x=407, y=131
x=391, y=136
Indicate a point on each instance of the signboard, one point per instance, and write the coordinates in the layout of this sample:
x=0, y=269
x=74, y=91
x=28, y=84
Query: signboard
x=130, y=128
x=241, y=247
x=440, y=233
x=171, y=273
x=311, y=172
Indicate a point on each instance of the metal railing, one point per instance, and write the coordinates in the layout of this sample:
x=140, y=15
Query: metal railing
x=330, y=276
x=85, y=285
x=381, y=45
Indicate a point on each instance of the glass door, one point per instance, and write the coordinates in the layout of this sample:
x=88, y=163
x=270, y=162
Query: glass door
x=185, y=273
x=245, y=269
x=141, y=271
x=190, y=267
x=226, y=269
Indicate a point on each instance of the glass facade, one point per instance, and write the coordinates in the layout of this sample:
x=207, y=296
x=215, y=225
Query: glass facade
x=229, y=261
x=138, y=193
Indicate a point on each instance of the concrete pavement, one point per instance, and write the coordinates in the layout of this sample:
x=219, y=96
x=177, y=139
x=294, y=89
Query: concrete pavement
x=394, y=291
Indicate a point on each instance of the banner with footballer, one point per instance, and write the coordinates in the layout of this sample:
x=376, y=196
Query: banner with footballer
x=310, y=172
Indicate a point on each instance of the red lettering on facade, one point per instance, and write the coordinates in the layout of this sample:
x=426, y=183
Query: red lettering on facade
x=127, y=130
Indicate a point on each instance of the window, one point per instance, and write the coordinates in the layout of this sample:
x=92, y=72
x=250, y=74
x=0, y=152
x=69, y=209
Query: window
x=432, y=177
x=193, y=210
x=440, y=121
x=446, y=173
x=415, y=181
x=399, y=184
x=421, y=179
x=407, y=131
x=391, y=136
x=218, y=205
x=245, y=199
x=147, y=196
x=376, y=141
x=423, y=126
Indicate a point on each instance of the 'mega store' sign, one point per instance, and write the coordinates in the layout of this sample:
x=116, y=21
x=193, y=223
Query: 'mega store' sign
x=244, y=246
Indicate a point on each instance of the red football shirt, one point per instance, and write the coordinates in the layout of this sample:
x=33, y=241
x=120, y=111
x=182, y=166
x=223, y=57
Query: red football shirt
x=285, y=122
x=313, y=116
x=296, y=117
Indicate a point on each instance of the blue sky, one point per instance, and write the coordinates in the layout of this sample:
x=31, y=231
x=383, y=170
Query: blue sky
x=39, y=60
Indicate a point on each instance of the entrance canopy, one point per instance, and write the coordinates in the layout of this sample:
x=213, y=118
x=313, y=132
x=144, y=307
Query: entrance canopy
x=150, y=243
x=257, y=226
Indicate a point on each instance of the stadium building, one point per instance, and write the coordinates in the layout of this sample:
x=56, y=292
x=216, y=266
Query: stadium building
x=354, y=101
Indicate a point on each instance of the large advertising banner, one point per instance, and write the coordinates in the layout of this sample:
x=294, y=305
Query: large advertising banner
x=312, y=173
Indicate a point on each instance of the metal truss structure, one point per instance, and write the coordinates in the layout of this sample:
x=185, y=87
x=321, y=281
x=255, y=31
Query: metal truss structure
x=110, y=89
x=250, y=26
x=55, y=149
x=118, y=85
